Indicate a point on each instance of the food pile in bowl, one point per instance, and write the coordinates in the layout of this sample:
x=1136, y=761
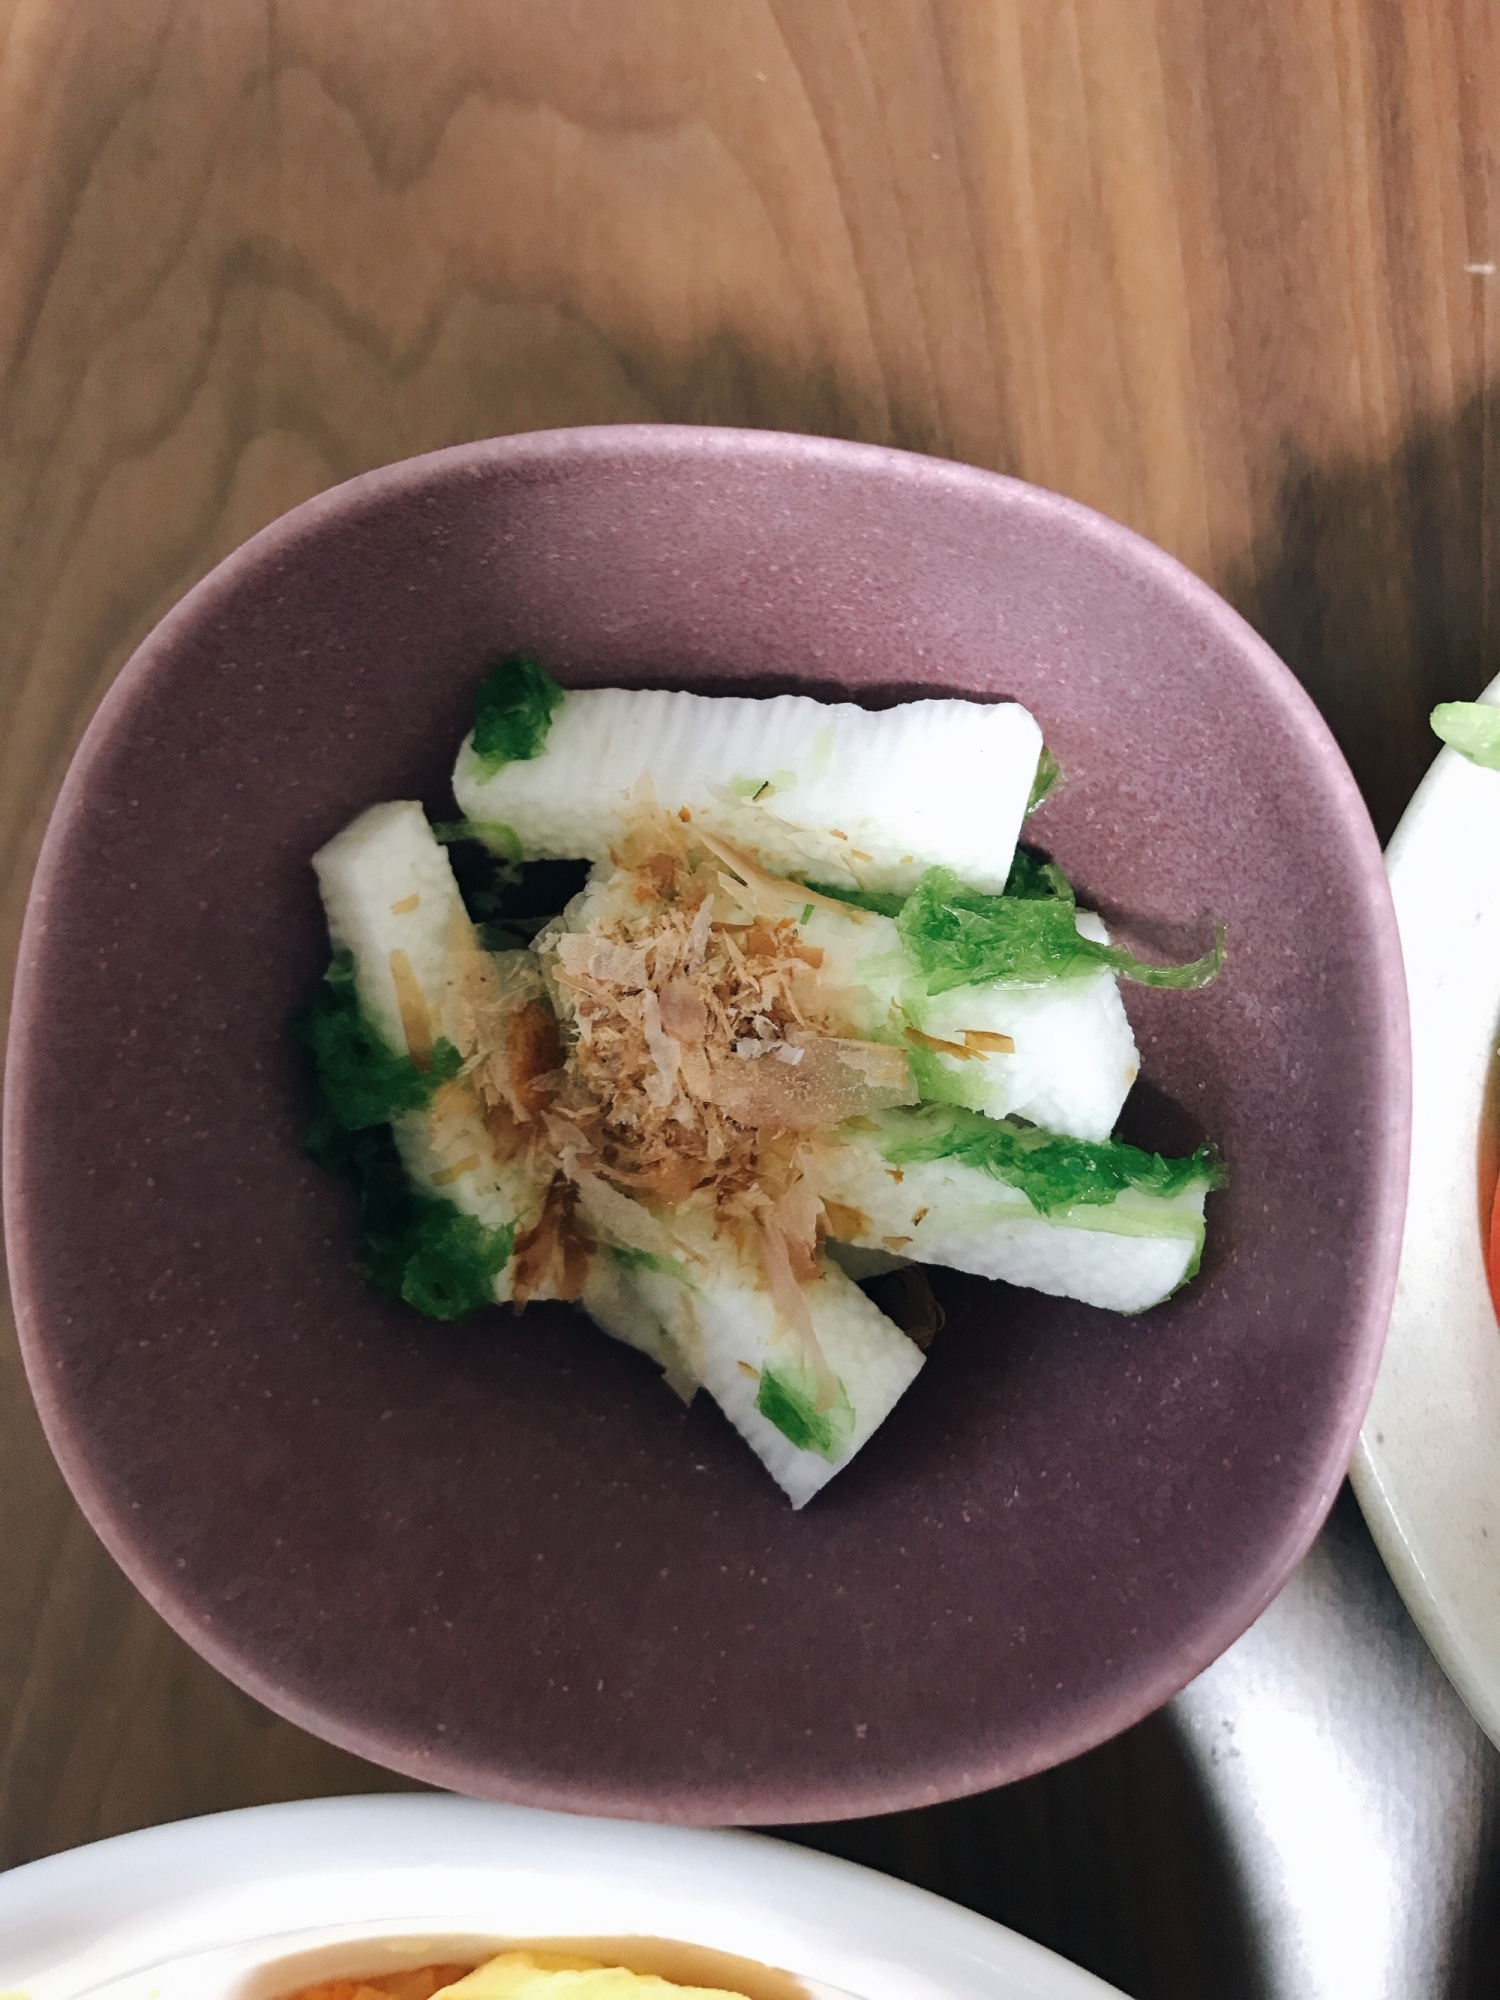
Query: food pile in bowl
x=812, y=1016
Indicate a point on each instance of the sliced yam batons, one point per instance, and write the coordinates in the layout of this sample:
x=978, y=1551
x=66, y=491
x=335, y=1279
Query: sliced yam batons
x=827, y=789
x=393, y=904
x=1125, y=1255
x=720, y=1320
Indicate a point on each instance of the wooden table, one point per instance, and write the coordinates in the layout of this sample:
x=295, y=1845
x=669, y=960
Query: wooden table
x=1225, y=271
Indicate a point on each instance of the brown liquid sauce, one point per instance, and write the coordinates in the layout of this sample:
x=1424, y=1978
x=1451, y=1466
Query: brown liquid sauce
x=419, y=1984
x=684, y=1964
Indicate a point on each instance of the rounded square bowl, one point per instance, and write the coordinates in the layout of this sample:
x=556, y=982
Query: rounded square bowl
x=497, y=1555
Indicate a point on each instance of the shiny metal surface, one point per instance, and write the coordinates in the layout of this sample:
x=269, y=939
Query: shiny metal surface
x=1314, y=1818
x=1354, y=1794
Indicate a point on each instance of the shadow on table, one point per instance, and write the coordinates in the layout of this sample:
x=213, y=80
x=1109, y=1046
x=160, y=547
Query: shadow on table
x=1114, y=1861
x=1375, y=580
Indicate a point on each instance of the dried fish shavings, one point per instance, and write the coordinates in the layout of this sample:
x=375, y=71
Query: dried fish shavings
x=698, y=1050
x=495, y=1014
x=552, y=1257
x=836, y=1078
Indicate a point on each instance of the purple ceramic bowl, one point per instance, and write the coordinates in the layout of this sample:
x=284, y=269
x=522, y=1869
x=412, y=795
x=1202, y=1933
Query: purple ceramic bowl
x=499, y=1556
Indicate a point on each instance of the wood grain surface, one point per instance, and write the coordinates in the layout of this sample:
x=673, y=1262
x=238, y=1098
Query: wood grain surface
x=1224, y=269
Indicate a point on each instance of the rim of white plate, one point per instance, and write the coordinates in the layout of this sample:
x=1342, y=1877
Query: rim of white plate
x=233, y=1902
x=1427, y=1465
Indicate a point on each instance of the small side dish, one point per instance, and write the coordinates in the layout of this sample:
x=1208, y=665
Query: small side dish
x=813, y=1015
x=1070, y=1514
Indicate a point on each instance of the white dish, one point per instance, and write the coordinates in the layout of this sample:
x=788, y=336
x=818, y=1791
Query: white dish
x=1427, y=1466
x=248, y=1905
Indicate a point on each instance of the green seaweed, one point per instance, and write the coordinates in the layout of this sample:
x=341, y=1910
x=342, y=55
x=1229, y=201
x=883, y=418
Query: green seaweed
x=1054, y=1172
x=452, y=1260
x=365, y=1081
x=513, y=712
x=415, y=1246
x=787, y=1398
x=959, y=936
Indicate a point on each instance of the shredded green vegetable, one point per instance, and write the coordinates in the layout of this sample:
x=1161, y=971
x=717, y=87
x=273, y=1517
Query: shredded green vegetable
x=1045, y=783
x=648, y=1260
x=416, y=1246
x=365, y=1081
x=453, y=1261
x=1472, y=728
x=513, y=713
x=491, y=833
x=1034, y=879
x=1053, y=1172
x=962, y=937
x=937, y=1083
x=787, y=1398
x=880, y=902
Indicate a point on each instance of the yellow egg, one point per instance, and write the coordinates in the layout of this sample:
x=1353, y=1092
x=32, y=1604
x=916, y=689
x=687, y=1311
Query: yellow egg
x=547, y=1975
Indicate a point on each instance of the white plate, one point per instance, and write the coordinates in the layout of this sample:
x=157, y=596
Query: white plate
x=1427, y=1467
x=246, y=1905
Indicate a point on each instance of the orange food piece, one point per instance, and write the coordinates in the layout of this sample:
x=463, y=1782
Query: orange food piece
x=845, y=1224
x=416, y=1015
x=941, y=1048
x=554, y=1249
x=1492, y=1252
x=988, y=1042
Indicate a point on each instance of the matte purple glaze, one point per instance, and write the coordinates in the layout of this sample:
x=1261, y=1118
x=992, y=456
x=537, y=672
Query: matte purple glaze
x=500, y=1556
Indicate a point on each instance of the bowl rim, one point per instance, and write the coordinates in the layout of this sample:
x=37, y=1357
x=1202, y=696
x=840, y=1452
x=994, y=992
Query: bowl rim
x=543, y=453
x=442, y=1866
